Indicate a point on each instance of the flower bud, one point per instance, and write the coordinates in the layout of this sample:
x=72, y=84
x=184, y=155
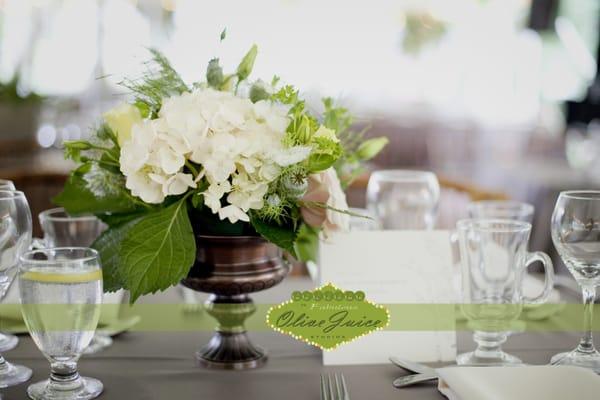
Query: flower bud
x=121, y=119
x=370, y=148
x=214, y=74
x=258, y=92
x=245, y=67
x=295, y=185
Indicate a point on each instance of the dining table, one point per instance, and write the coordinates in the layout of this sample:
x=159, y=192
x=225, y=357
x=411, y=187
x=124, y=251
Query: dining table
x=159, y=364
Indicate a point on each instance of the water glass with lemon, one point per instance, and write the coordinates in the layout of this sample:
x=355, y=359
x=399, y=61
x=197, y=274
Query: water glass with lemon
x=61, y=296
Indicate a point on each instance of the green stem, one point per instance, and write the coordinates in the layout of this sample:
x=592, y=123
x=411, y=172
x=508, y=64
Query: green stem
x=191, y=168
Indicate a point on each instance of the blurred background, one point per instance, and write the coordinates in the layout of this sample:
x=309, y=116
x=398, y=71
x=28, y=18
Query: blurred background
x=500, y=98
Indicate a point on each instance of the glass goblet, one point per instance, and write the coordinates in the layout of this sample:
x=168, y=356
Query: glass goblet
x=61, y=295
x=493, y=259
x=15, y=238
x=7, y=341
x=576, y=236
x=64, y=230
x=6, y=184
x=501, y=209
x=403, y=199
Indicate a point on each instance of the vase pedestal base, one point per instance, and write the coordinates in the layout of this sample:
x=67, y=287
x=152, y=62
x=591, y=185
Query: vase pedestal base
x=231, y=351
x=230, y=347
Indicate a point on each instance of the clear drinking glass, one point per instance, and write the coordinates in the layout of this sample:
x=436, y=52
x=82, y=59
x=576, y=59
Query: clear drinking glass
x=5, y=184
x=501, y=209
x=7, y=341
x=403, y=199
x=64, y=230
x=494, y=257
x=576, y=236
x=15, y=238
x=61, y=296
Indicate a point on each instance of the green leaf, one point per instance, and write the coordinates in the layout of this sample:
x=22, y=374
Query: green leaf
x=109, y=246
x=92, y=189
x=307, y=243
x=245, y=67
x=118, y=219
x=223, y=34
x=158, y=251
x=320, y=162
x=282, y=236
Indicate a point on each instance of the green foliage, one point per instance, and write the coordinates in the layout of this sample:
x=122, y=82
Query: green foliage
x=11, y=94
x=160, y=81
x=92, y=189
x=109, y=248
x=158, y=251
x=282, y=236
x=306, y=245
x=325, y=154
x=336, y=118
x=223, y=34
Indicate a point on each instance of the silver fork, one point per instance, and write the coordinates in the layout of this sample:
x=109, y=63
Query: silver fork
x=334, y=388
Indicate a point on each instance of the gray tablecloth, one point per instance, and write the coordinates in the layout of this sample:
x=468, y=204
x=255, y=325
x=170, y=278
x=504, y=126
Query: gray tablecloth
x=155, y=365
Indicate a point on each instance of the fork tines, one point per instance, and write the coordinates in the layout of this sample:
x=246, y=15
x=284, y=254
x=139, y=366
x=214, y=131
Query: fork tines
x=334, y=387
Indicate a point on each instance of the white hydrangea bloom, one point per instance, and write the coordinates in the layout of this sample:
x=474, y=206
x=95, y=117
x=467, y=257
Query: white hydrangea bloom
x=237, y=144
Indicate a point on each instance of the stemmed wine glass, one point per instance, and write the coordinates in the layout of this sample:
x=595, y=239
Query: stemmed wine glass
x=61, y=295
x=15, y=238
x=7, y=341
x=576, y=236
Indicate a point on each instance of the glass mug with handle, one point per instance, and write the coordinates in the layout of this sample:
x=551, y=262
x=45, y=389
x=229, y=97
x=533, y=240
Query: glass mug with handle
x=493, y=259
x=403, y=199
x=501, y=209
x=61, y=296
x=64, y=230
x=575, y=231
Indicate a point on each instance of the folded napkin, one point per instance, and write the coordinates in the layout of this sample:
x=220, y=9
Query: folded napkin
x=518, y=383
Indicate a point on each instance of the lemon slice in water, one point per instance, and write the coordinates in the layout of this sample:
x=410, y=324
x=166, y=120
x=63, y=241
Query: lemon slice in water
x=74, y=277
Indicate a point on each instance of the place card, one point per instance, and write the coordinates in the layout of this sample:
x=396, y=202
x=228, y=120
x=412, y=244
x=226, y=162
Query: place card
x=393, y=267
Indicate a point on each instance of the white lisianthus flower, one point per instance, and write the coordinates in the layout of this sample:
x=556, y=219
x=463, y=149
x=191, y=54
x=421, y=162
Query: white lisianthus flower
x=121, y=119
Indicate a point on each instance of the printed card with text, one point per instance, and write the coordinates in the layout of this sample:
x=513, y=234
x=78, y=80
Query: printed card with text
x=394, y=268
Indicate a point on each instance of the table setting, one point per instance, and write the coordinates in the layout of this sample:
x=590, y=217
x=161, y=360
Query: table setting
x=200, y=197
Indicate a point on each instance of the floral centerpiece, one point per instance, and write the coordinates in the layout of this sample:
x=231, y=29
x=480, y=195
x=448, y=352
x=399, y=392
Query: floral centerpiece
x=225, y=156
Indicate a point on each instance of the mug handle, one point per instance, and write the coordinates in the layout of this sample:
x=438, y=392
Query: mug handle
x=548, y=273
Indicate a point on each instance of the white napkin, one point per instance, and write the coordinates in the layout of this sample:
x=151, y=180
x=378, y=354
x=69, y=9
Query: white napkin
x=518, y=383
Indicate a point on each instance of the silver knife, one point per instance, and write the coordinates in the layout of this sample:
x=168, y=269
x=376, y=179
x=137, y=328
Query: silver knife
x=413, y=379
x=412, y=366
